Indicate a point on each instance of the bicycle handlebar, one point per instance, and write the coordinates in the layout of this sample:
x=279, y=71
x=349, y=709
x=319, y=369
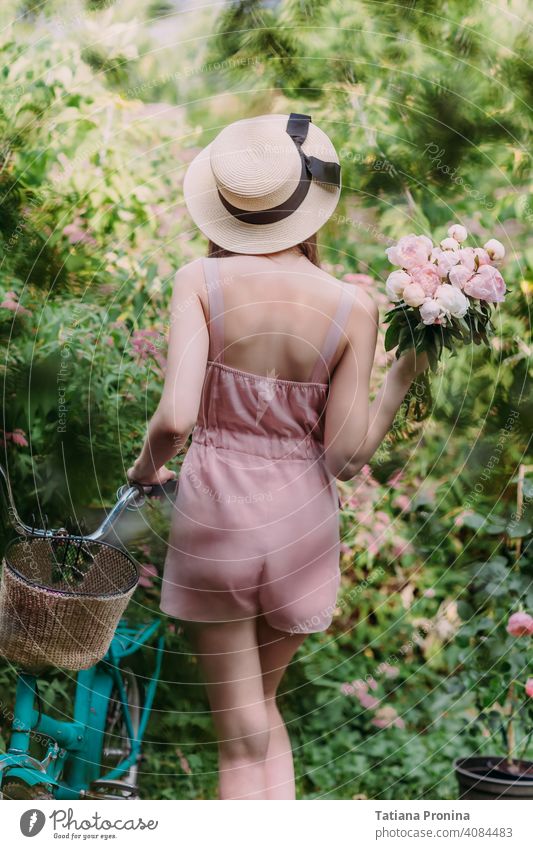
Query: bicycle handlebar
x=132, y=496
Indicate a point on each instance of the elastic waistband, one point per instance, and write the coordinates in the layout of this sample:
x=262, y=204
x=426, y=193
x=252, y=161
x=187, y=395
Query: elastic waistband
x=270, y=446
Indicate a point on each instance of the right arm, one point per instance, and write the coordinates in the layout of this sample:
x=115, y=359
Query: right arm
x=355, y=428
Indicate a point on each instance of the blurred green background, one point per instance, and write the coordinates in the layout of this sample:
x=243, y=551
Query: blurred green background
x=102, y=106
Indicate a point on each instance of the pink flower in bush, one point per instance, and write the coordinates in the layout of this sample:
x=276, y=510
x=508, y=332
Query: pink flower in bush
x=520, y=625
x=364, y=279
x=389, y=671
x=17, y=437
x=529, y=687
x=367, y=701
x=411, y=250
x=387, y=716
x=148, y=573
x=145, y=344
x=76, y=233
x=184, y=763
x=395, y=478
x=486, y=285
x=427, y=277
x=11, y=303
x=402, y=502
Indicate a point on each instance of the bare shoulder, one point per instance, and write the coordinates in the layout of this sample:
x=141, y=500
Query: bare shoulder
x=190, y=275
x=364, y=307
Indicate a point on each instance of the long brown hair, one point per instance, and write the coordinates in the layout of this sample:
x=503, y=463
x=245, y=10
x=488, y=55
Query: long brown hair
x=308, y=247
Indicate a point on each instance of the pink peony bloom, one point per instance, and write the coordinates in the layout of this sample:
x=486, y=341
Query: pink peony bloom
x=467, y=258
x=457, y=232
x=450, y=244
x=429, y=593
x=427, y=277
x=410, y=251
x=529, y=687
x=444, y=260
x=520, y=625
x=431, y=311
x=452, y=300
x=494, y=249
x=414, y=295
x=396, y=283
x=347, y=689
x=482, y=256
x=148, y=572
x=459, y=275
x=486, y=285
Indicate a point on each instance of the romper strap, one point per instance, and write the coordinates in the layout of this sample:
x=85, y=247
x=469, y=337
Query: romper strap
x=216, y=309
x=322, y=371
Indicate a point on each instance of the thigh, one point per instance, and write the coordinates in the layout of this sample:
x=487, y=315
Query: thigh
x=228, y=655
x=276, y=650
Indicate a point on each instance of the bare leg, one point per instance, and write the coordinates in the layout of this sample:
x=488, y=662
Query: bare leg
x=276, y=648
x=229, y=657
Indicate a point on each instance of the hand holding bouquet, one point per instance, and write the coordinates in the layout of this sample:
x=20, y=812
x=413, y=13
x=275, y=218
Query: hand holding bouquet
x=444, y=293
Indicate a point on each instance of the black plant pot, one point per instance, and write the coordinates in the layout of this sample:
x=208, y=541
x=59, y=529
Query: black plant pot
x=492, y=778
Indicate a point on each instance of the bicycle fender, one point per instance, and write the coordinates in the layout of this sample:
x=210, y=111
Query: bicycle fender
x=29, y=776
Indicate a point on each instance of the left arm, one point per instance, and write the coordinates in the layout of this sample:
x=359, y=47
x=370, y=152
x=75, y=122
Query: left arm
x=177, y=410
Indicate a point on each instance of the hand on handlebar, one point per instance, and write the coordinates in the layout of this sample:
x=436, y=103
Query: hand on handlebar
x=160, y=478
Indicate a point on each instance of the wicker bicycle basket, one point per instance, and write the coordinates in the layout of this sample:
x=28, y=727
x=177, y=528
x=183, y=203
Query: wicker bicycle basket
x=61, y=599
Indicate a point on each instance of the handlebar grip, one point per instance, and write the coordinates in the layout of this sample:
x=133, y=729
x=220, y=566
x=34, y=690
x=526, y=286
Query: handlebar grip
x=161, y=490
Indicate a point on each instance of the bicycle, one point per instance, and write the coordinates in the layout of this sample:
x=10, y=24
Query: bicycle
x=97, y=753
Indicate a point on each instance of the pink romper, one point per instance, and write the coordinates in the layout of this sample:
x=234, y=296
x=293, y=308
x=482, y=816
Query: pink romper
x=255, y=525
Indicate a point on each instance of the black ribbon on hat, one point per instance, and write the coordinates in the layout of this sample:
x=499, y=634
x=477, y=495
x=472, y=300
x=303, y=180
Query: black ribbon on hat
x=312, y=169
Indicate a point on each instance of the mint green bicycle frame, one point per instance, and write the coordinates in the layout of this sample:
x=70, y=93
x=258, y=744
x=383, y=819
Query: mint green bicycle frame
x=72, y=760
x=74, y=749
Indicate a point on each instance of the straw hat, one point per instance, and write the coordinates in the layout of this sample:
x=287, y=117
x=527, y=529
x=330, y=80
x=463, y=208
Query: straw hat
x=264, y=184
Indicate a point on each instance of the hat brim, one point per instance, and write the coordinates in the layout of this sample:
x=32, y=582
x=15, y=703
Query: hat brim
x=213, y=219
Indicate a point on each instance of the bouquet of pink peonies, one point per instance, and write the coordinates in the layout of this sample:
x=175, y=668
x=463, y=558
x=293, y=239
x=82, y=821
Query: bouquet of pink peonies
x=444, y=295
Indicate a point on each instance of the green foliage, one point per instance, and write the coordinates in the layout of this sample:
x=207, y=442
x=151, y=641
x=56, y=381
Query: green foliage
x=429, y=114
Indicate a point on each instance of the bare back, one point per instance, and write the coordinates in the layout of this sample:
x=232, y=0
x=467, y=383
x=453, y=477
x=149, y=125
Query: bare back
x=276, y=316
